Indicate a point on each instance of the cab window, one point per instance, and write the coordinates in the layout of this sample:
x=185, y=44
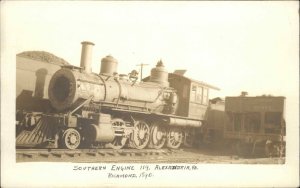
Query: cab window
x=199, y=94
x=193, y=93
x=205, y=96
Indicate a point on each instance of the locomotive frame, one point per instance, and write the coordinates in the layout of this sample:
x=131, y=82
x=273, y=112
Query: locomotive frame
x=120, y=114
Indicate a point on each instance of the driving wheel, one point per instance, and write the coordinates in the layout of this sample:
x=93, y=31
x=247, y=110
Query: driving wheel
x=141, y=135
x=174, y=138
x=158, y=136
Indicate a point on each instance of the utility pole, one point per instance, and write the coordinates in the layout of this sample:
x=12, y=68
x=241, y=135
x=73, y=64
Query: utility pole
x=142, y=65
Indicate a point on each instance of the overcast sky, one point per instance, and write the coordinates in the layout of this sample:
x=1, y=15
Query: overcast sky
x=251, y=46
x=236, y=46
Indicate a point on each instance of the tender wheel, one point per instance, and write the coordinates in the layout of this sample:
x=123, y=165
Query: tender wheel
x=71, y=138
x=158, y=136
x=273, y=149
x=281, y=150
x=189, y=137
x=175, y=137
x=243, y=149
x=119, y=141
x=141, y=135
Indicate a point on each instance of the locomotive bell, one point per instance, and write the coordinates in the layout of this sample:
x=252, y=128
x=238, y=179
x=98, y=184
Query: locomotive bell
x=108, y=66
x=159, y=74
x=86, y=56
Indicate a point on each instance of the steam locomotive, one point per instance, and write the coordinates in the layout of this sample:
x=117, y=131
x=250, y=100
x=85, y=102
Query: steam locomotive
x=113, y=110
x=108, y=109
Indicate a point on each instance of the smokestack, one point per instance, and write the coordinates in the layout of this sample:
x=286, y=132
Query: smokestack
x=86, y=56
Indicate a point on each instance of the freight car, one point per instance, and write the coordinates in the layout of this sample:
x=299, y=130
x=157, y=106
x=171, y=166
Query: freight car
x=114, y=110
x=33, y=72
x=249, y=124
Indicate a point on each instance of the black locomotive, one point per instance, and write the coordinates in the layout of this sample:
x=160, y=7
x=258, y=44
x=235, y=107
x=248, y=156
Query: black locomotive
x=115, y=110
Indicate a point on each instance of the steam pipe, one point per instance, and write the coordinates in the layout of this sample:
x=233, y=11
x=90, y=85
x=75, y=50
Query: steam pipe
x=184, y=122
x=86, y=56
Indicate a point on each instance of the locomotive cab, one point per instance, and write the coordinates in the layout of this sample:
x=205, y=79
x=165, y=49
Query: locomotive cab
x=193, y=96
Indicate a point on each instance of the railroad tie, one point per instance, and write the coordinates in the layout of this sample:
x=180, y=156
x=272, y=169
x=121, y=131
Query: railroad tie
x=101, y=153
x=95, y=154
x=44, y=154
x=29, y=155
x=72, y=154
x=56, y=154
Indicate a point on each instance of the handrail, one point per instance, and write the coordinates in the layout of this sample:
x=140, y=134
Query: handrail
x=85, y=102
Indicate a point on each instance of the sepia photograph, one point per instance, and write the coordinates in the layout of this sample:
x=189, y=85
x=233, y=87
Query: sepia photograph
x=149, y=94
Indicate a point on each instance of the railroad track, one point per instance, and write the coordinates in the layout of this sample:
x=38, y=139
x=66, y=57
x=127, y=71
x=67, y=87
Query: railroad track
x=135, y=156
x=52, y=154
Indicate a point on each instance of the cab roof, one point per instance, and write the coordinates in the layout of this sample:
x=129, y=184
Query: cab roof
x=176, y=76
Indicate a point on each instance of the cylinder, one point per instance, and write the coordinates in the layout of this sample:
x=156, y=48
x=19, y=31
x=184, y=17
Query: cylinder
x=103, y=133
x=109, y=66
x=159, y=74
x=99, y=133
x=86, y=56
